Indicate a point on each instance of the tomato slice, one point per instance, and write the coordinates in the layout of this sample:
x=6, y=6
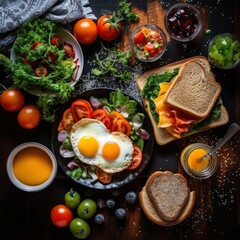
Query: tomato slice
x=102, y=116
x=136, y=159
x=122, y=125
x=114, y=115
x=68, y=120
x=103, y=176
x=57, y=42
x=81, y=109
x=60, y=126
x=69, y=51
x=34, y=45
x=41, y=72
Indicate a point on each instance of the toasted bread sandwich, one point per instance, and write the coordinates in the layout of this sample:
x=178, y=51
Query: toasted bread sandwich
x=182, y=98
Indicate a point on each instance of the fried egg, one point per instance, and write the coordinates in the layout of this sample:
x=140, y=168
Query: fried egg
x=93, y=144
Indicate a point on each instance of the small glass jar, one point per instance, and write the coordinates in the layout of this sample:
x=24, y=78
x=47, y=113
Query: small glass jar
x=195, y=169
x=183, y=22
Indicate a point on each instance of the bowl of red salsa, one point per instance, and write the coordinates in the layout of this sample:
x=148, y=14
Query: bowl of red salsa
x=183, y=22
x=148, y=42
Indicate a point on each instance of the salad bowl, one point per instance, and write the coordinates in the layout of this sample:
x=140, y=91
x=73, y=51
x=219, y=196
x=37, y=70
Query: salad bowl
x=78, y=60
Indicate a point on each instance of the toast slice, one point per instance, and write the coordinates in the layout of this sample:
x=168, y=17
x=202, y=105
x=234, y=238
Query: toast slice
x=162, y=136
x=153, y=216
x=168, y=193
x=191, y=92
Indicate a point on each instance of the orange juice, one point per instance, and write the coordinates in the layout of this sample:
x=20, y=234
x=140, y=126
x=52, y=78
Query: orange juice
x=32, y=166
x=193, y=158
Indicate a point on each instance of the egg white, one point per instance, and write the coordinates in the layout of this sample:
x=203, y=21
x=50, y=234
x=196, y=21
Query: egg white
x=97, y=129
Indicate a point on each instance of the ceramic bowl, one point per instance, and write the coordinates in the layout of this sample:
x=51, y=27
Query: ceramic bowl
x=34, y=176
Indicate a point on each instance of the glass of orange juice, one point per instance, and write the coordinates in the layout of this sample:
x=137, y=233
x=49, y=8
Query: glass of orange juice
x=193, y=167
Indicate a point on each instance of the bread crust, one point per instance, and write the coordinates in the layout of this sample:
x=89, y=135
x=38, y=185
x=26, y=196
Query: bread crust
x=149, y=206
x=162, y=136
x=168, y=193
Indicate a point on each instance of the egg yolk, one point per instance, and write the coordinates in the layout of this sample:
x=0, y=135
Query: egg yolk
x=193, y=162
x=88, y=146
x=111, y=151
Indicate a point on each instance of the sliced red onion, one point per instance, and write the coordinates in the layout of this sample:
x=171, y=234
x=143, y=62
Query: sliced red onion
x=143, y=133
x=137, y=122
x=66, y=153
x=71, y=165
x=107, y=109
x=62, y=135
x=96, y=103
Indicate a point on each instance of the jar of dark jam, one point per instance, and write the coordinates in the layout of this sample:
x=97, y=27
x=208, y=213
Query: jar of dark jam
x=183, y=22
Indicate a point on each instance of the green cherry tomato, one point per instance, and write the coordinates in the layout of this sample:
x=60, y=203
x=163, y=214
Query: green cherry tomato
x=79, y=228
x=87, y=208
x=72, y=199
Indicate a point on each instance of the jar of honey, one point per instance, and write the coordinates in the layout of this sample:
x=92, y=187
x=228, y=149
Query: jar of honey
x=193, y=167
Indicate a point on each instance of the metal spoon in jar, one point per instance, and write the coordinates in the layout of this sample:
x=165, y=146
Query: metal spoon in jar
x=233, y=129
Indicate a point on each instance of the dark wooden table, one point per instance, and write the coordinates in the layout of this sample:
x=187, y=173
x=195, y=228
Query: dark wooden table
x=216, y=214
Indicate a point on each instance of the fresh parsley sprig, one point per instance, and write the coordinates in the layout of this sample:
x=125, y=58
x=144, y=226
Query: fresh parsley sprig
x=125, y=11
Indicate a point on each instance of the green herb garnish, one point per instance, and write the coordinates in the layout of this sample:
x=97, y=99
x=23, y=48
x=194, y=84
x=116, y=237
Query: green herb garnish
x=125, y=11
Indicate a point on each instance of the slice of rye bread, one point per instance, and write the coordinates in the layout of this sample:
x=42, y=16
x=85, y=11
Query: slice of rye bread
x=168, y=193
x=191, y=91
x=162, y=136
x=153, y=216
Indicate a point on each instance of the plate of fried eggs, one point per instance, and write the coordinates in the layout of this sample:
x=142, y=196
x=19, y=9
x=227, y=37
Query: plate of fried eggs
x=94, y=146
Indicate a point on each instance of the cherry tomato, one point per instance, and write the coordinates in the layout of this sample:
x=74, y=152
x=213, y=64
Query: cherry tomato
x=103, y=176
x=41, y=72
x=72, y=199
x=52, y=57
x=68, y=120
x=140, y=38
x=136, y=159
x=57, y=42
x=12, y=100
x=81, y=109
x=102, y=116
x=87, y=208
x=29, y=116
x=85, y=31
x=61, y=215
x=69, y=51
x=109, y=27
x=80, y=228
x=123, y=126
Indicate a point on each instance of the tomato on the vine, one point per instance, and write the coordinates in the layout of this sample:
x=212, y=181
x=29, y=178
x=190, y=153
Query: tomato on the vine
x=12, y=100
x=61, y=215
x=136, y=159
x=109, y=27
x=85, y=31
x=29, y=116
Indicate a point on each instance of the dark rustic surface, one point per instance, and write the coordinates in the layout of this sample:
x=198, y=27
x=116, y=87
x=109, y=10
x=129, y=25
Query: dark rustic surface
x=216, y=214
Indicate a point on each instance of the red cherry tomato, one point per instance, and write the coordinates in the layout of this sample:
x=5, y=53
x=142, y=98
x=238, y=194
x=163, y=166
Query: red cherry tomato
x=81, y=109
x=136, y=159
x=85, y=31
x=12, y=100
x=103, y=176
x=61, y=215
x=109, y=27
x=57, y=42
x=102, y=116
x=123, y=126
x=69, y=51
x=29, y=116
